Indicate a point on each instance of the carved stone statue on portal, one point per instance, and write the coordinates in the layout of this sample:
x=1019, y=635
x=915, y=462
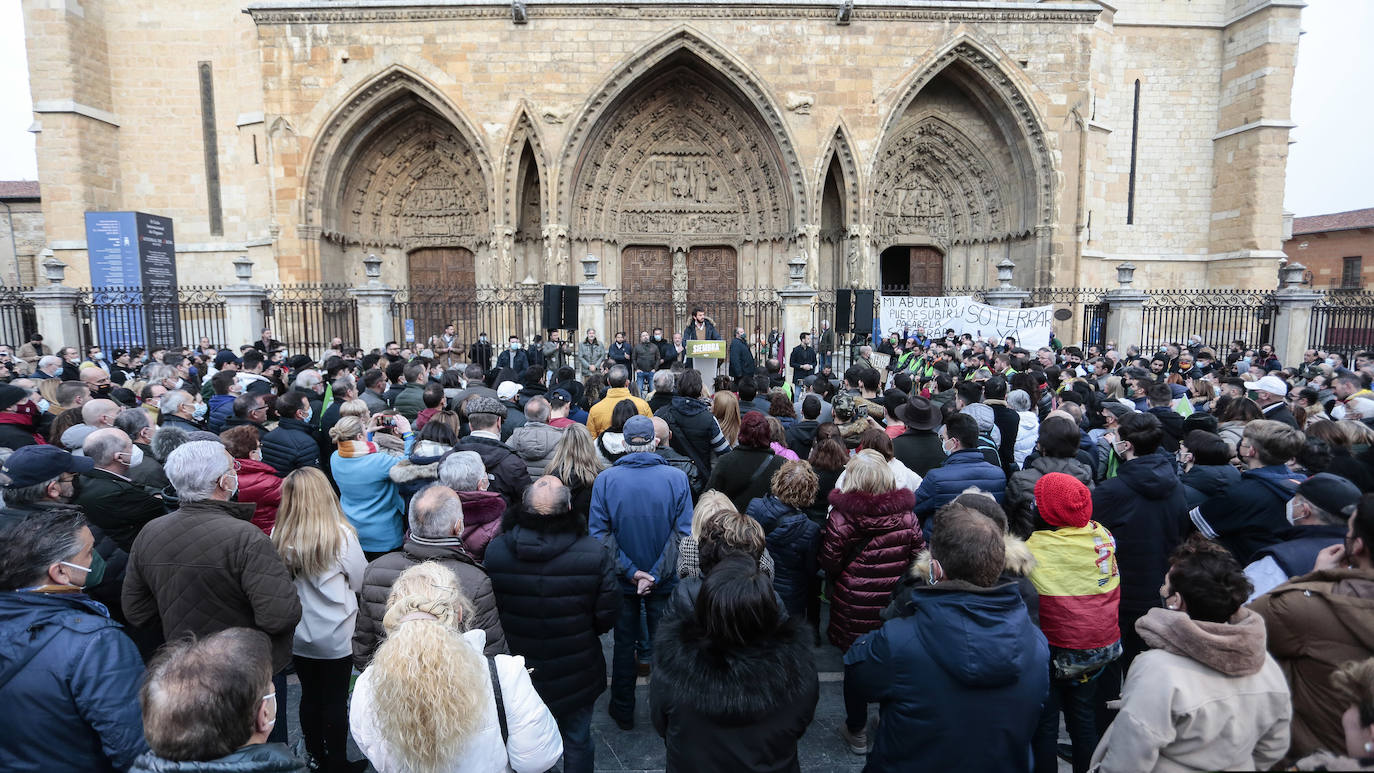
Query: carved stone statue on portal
x=676, y=180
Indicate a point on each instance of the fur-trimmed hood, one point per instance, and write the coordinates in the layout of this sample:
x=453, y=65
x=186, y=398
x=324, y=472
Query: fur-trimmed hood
x=740, y=685
x=422, y=464
x=1019, y=560
x=862, y=506
x=1235, y=648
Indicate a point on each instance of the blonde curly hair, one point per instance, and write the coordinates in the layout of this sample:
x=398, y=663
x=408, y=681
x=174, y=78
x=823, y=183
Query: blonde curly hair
x=431, y=687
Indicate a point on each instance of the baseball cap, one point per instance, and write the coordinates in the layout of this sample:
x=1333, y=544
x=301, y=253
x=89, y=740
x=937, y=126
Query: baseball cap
x=1330, y=492
x=639, y=430
x=559, y=398
x=223, y=356
x=1271, y=384
x=507, y=390
x=31, y=465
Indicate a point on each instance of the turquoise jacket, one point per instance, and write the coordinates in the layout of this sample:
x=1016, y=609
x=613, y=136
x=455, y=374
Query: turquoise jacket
x=370, y=500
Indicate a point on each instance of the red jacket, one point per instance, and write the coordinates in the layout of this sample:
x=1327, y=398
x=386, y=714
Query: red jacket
x=882, y=537
x=259, y=484
x=482, y=511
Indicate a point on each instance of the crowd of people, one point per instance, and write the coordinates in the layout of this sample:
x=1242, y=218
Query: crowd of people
x=1170, y=552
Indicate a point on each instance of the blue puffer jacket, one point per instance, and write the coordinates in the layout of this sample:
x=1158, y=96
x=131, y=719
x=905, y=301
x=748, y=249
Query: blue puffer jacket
x=1250, y=513
x=961, y=677
x=72, y=703
x=291, y=446
x=961, y=470
x=218, y=411
x=639, y=503
x=793, y=542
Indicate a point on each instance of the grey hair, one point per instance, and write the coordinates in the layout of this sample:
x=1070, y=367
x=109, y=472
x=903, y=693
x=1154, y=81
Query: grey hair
x=194, y=469
x=537, y=409
x=32, y=544
x=27, y=495
x=1019, y=400
x=167, y=440
x=641, y=448
x=433, y=514
x=48, y=360
x=343, y=384
x=156, y=372
x=132, y=421
x=461, y=470
x=102, y=445
x=308, y=379
x=664, y=381
x=173, y=400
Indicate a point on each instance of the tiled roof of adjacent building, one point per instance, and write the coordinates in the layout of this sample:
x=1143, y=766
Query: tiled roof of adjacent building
x=1338, y=221
x=18, y=189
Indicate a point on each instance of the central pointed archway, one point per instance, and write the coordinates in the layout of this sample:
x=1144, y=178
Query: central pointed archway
x=680, y=165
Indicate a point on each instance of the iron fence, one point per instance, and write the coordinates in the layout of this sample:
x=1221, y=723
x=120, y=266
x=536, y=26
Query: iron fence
x=124, y=317
x=1218, y=316
x=1343, y=323
x=497, y=312
x=758, y=311
x=17, y=317
x=306, y=317
x=1095, y=323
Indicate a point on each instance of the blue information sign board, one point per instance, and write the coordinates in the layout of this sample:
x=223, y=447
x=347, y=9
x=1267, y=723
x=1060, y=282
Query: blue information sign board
x=132, y=259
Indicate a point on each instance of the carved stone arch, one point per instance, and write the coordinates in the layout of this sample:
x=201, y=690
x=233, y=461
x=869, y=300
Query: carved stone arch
x=685, y=49
x=397, y=168
x=1013, y=164
x=524, y=132
x=840, y=148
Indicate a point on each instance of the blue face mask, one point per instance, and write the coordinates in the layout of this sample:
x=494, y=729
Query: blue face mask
x=1088, y=369
x=199, y=412
x=309, y=412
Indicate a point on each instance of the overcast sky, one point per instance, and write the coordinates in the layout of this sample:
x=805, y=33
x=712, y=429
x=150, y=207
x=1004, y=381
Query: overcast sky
x=1330, y=166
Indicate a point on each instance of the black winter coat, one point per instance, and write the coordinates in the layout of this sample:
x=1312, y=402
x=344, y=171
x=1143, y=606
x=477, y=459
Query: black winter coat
x=919, y=450
x=1008, y=422
x=1205, y=481
x=696, y=435
x=802, y=436
x=741, y=359
x=1146, y=510
x=736, y=710
x=509, y=475
x=744, y=474
x=793, y=542
x=556, y=592
x=1173, y=427
x=119, y=507
x=291, y=446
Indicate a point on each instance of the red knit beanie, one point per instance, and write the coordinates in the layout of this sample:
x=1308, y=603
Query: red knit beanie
x=1063, y=500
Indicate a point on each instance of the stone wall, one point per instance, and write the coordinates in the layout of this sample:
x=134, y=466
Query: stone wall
x=1056, y=80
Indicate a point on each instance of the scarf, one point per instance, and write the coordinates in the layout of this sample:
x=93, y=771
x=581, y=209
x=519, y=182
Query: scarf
x=353, y=449
x=22, y=421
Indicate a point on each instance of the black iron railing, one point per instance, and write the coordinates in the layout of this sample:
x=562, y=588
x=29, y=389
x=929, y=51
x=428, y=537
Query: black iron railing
x=1343, y=323
x=1218, y=316
x=306, y=317
x=422, y=312
x=17, y=317
x=124, y=317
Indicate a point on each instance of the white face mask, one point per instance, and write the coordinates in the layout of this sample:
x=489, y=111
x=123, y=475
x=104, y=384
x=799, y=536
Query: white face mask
x=43, y=406
x=199, y=412
x=1288, y=511
x=135, y=456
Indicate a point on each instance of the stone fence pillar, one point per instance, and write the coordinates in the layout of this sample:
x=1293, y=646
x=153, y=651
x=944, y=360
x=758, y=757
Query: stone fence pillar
x=54, y=307
x=591, y=310
x=798, y=299
x=1293, y=317
x=243, y=305
x=375, y=325
x=1125, y=310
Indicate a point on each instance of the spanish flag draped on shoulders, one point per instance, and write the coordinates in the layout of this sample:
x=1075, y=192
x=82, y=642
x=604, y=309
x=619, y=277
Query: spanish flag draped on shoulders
x=1075, y=568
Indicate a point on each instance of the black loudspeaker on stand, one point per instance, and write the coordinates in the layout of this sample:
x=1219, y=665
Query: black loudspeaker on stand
x=844, y=305
x=560, y=307
x=863, y=312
